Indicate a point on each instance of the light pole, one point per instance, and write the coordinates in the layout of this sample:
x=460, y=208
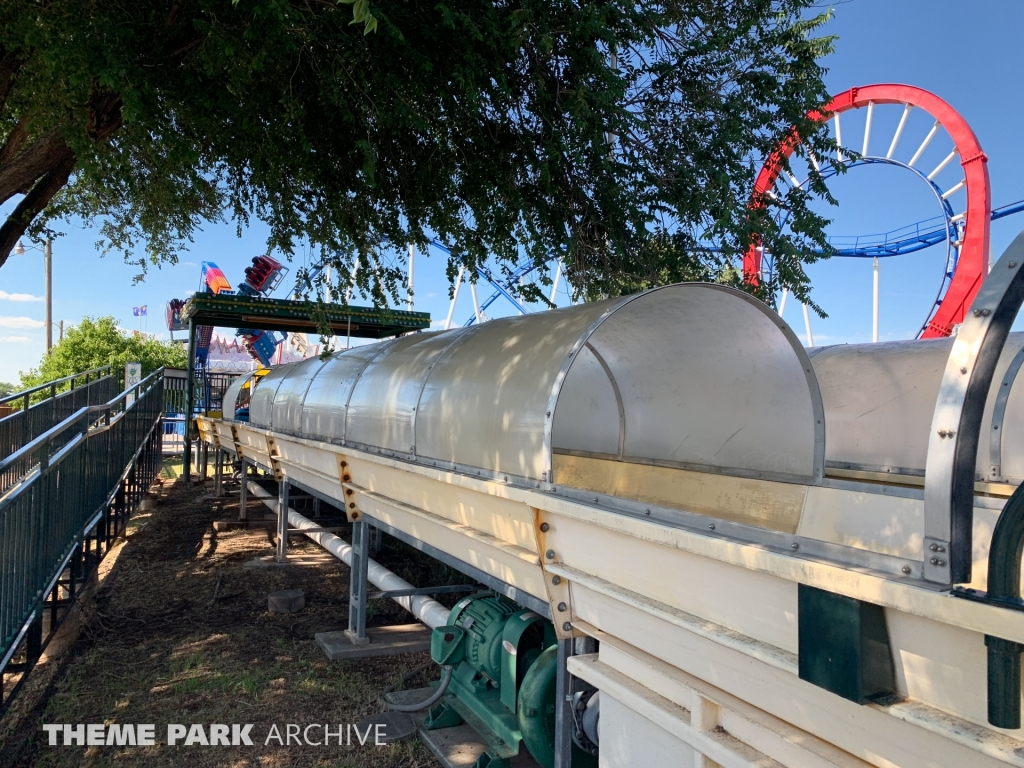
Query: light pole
x=47, y=251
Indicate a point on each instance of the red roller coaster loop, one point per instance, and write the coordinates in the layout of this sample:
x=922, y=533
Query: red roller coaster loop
x=972, y=263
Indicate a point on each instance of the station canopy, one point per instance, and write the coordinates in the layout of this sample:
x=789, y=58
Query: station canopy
x=292, y=316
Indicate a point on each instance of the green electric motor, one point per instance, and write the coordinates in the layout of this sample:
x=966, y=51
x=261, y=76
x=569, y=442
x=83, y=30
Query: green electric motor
x=504, y=664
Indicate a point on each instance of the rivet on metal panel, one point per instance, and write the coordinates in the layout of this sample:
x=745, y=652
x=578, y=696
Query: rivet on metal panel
x=349, y=491
x=595, y=498
x=547, y=413
x=344, y=463
x=352, y=505
x=545, y=527
x=711, y=526
x=355, y=515
x=412, y=449
x=963, y=369
x=938, y=561
x=1012, y=264
x=906, y=569
x=347, y=478
x=556, y=580
x=562, y=607
x=795, y=545
x=550, y=554
x=567, y=626
x=647, y=511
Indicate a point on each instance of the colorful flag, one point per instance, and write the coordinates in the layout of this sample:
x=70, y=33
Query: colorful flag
x=139, y=311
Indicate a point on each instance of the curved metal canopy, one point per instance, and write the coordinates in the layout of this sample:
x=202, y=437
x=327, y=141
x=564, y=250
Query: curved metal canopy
x=880, y=401
x=230, y=400
x=693, y=375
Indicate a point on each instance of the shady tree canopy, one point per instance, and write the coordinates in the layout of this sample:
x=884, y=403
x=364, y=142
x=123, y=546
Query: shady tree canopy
x=622, y=136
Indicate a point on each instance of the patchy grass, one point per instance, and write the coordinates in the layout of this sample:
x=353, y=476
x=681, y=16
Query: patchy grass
x=181, y=634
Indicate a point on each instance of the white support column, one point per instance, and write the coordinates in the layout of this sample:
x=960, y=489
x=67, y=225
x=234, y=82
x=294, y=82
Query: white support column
x=352, y=280
x=899, y=131
x=955, y=188
x=839, y=140
x=924, y=144
x=476, y=303
x=874, y=306
x=867, y=128
x=412, y=272
x=782, y=303
x=807, y=326
x=554, y=284
x=943, y=164
x=455, y=298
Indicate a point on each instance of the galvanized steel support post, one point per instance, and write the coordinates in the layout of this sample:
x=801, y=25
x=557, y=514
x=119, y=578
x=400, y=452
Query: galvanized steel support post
x=563, y=706
x=282, y=522
x=190, y=395
x=243, y=501
x=218, y=472
x=356, y=631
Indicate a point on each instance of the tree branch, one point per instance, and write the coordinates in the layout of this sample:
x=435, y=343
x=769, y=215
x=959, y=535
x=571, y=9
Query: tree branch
x=15, y=139
x=28, y=165
x=10, y=63
x=33, y=203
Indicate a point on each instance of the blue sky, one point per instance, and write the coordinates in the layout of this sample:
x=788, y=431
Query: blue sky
x=969, y=54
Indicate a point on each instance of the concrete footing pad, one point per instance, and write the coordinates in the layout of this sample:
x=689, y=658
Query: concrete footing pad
x=458, y=747
x=286, y=601
x=233, y=523
x=383, y=641
x=388, y=727
x=293, y=560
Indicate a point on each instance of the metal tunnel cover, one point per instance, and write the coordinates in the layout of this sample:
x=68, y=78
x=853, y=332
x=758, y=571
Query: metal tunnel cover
x=880, y=401
x=693, y=375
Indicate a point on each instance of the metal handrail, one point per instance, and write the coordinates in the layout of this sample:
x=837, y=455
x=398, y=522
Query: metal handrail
x=75, y=485
x=79, y=419
x=25, y=393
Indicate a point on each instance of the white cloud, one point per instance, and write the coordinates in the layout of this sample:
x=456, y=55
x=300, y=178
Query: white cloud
x=13, y=339
x=20, y=322
x=5, y=296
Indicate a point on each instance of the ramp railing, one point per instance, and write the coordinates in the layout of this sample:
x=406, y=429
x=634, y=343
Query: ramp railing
x=45, y=406
x=86, y=476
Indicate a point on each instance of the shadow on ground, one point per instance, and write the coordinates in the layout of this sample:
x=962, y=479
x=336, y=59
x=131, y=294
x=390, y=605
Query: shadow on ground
x=180, y=633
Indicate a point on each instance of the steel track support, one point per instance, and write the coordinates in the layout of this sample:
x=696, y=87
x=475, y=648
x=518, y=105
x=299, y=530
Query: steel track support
x=358, y=575
x=281, y=555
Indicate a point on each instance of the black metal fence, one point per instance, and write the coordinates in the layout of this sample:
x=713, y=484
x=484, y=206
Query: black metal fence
x=88, y=473
x=45, y=406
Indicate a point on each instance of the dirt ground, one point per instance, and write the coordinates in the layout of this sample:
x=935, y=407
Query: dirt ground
x=180, y=633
